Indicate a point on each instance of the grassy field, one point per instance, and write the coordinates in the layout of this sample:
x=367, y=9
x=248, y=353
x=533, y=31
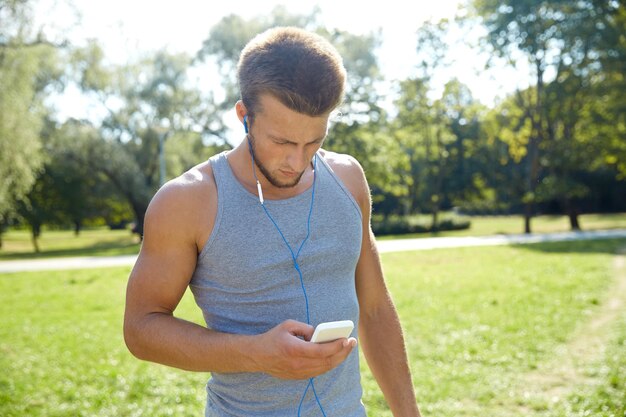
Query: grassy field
x=492, y=225
x=17, y=243
x=497, y=331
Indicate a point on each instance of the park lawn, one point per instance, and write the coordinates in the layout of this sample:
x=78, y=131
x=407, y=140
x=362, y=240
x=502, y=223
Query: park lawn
x=493, y=225
x=17, y=244
x=104, y=242
x=476, y=321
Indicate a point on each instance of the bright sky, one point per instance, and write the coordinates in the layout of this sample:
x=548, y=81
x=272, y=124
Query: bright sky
x=125, y=27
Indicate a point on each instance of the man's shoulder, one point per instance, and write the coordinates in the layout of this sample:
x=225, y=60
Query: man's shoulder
x=341, y=161
x=186, y=193
x=187, y=185
x=197, y=177
x=350, y=172
x=184, y=207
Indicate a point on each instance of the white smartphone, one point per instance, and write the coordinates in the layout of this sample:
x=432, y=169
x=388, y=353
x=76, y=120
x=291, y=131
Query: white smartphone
x=332, y=330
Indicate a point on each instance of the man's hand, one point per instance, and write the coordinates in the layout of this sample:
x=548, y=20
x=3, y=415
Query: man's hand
x=285, y=352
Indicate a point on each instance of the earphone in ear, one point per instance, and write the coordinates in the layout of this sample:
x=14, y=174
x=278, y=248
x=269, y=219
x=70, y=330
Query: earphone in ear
x=245, y=123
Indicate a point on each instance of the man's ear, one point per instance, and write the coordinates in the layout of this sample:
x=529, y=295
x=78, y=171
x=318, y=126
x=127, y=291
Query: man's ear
x=241, y=110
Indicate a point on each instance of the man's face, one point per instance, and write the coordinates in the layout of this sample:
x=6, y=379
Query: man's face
x=284, y=141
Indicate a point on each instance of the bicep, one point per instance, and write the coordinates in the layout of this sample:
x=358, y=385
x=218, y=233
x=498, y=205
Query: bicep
x=164, y=267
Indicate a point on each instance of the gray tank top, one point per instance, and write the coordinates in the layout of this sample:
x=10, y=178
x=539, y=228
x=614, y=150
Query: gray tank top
x=245, y=283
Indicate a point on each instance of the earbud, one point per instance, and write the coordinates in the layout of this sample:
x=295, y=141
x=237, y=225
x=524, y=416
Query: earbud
x=245, y=123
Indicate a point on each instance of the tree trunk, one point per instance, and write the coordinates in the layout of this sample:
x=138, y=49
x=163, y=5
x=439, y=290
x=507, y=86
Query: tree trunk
x=414, y=189
x=572, y=214
x=435, y=225
x=573, y=221
x=35, y=233
x=533, y=149
x=3, y=228
x=528, y=214
x=77, y=227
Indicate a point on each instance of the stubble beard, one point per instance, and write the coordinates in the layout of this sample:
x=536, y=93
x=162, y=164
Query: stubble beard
x=268, y=175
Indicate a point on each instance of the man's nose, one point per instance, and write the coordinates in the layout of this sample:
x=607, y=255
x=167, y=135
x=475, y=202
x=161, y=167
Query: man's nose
x=298, y=159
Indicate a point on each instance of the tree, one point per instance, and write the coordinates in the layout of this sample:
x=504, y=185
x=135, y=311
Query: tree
x=356, y=128
x=28, y=66
x=506, y=132
x=463, y=115
x=561, y=41
x=605, y=118
x=425, y=136
x=150, y=103
x=38, y=206
x=423, y=126
x=82, y=192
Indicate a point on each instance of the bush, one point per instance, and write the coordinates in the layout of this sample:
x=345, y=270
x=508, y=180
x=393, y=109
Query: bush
x=397, y=225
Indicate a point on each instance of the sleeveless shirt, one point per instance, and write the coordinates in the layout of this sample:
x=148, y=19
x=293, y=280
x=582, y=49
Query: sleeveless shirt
x=245, y=283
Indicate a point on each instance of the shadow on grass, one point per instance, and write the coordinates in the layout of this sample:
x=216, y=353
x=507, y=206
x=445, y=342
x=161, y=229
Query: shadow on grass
x=610, y=246
x=96, y=249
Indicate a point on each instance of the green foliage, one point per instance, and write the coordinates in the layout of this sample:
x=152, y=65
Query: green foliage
x=442, y=143
x=154, y=105
x=20, y=121
x=30, y=68
x=558, y=145
x=26, y=68
x=567, y=45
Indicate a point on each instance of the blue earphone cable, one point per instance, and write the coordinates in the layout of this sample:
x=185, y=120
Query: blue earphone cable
x=294, y=258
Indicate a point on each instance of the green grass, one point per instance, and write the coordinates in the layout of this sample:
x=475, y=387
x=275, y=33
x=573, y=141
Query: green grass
x=491, y=225
x=100, y=242
x=479, y=318
x=17, y=244
x=62, y=351
x=476, y=321
x=606, y=399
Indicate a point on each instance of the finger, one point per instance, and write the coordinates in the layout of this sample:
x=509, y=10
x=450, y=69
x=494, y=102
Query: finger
x=328, y=363
x=347, y=346
x=322, y=350
x=298, y=328
x=328, y=349
x=350, y=342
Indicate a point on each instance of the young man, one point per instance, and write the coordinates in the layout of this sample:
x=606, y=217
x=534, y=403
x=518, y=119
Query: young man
x=273, y=238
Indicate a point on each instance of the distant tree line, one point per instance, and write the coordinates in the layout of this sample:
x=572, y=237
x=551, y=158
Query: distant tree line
x=556, y=146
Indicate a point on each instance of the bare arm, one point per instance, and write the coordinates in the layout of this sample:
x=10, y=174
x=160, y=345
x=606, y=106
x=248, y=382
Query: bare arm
x=381, y=334
x=380, y=331
x=158, y=282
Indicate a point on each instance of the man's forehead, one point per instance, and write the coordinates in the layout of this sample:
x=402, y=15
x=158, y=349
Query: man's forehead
x=268, y=101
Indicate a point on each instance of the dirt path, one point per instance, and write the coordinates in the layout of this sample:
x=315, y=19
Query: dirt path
x=553, y=382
